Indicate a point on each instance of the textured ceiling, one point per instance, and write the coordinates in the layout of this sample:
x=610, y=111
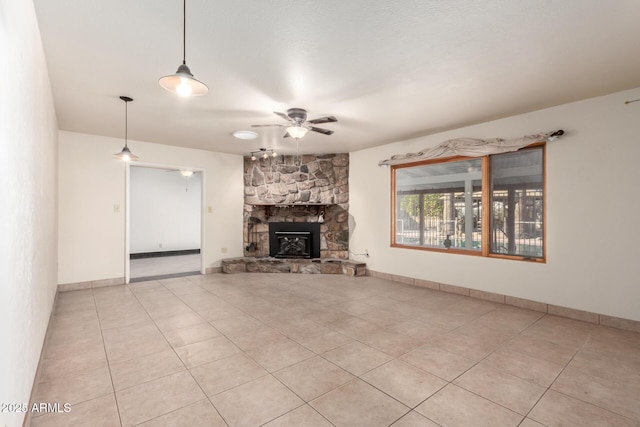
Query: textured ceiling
x=388, y=70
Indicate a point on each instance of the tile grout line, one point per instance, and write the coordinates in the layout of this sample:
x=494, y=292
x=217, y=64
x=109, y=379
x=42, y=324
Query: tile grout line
x=555, y=379
x=356, y=376
x=104, y=347
x=546, y=388
x=173, y=411
x=574, y=397
x=305, y=402
x=268, y=373
x=476, y=364
x=177, y=355
x=502, y=345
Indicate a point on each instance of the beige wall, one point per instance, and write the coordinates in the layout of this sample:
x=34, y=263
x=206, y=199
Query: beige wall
x=28, y=222
x=92, y=182
x=592, y=211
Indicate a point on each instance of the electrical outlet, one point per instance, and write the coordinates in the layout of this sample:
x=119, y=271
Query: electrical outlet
x=223, y=250
x=116, y=208
x=210, y=209
x=160, y=245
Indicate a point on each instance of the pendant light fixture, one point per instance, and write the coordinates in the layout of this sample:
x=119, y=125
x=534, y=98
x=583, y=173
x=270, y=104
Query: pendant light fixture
x=264, y=153
x=126, y=154
x=182, y=82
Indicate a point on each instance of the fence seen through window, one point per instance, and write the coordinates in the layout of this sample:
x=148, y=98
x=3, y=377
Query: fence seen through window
x=439, y=205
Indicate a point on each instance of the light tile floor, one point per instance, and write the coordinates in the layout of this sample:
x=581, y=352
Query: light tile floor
x=164, y=265
x=322, y=350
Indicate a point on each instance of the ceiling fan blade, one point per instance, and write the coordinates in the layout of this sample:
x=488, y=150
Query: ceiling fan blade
x=286, y=135
x=283, y=115
x=273, y=124
x=328, y=119
x=320, y=130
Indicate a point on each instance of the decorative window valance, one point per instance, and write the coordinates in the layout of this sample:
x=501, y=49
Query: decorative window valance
x=471, y=147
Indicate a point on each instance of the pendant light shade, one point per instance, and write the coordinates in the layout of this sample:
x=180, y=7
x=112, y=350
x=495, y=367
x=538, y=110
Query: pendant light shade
x=125, y=155
x=182, y=81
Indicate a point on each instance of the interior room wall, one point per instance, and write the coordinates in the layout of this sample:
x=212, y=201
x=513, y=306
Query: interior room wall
x=92, y=203
x=591, y=211
x=28, y=217
x=165, y=210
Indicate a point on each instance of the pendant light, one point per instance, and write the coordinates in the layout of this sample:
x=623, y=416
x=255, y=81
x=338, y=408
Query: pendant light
x=264, y=153
x=126, y=154
x=182, y=82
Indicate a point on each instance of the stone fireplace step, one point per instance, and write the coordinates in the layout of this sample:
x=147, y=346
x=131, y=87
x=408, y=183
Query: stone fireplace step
x=293, y=265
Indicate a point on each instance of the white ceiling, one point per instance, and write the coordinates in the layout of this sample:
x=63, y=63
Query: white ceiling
x=389, y=70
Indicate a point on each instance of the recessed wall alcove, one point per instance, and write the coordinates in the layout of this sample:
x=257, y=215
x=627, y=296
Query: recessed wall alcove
x=297, y=189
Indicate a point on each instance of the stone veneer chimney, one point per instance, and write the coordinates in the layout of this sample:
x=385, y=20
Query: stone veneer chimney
x=309, y=188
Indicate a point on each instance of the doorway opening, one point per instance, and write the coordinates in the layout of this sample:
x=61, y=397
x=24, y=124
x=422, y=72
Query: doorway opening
x=165, y=223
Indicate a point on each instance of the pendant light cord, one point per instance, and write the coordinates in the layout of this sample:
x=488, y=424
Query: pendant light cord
x=126, y=125
x=184, y=32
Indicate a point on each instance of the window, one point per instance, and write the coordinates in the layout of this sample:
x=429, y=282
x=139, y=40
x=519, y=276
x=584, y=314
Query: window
x=490, y=206
x=440, y=205
x=516, y=198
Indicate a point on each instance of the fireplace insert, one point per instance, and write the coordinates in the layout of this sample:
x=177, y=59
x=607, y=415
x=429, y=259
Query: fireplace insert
x=294, y=240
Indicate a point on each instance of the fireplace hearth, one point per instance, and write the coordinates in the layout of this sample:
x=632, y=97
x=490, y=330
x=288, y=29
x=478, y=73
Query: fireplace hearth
x=294, y=240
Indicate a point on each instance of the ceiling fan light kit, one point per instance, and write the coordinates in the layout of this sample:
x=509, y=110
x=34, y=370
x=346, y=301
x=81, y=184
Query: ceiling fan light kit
x=297, y=131
x=125, y=154
x=182, y=81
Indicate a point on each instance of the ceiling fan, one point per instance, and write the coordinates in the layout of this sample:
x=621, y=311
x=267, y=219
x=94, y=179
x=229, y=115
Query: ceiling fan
x=298, y=125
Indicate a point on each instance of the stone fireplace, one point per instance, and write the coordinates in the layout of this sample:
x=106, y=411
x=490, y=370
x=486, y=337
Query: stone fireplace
x=306, y=192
